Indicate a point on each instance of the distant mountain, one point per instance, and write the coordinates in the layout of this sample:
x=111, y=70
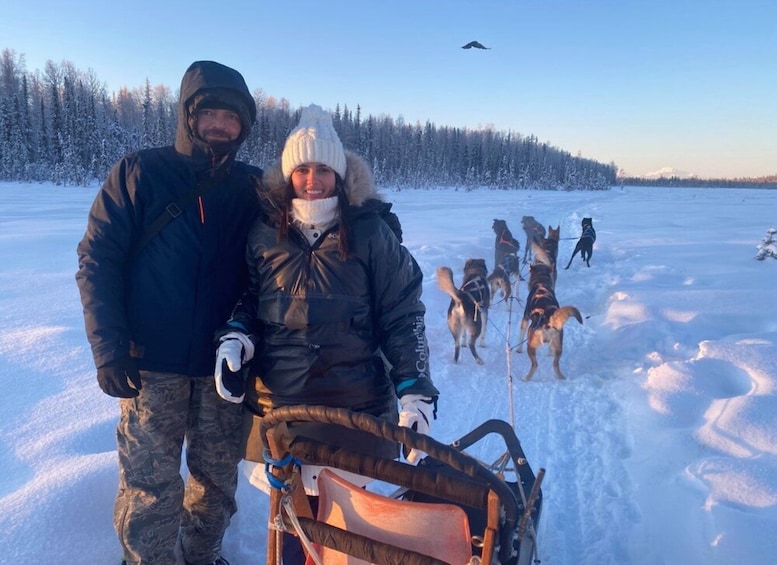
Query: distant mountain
x=669, y=176
x=668, y=173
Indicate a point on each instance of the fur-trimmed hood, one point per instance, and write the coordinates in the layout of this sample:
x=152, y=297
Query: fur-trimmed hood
x=358, y=182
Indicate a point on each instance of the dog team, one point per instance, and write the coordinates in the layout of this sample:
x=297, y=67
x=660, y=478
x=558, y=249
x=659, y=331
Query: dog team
x=543, y=318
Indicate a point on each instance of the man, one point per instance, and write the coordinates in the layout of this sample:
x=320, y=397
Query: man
x=153, y=297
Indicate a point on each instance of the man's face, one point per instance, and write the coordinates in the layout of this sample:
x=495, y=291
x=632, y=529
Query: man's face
x=217, y=125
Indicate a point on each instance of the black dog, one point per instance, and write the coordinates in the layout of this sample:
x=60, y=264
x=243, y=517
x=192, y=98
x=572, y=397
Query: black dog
x=468, y=311
x=585, y=245
x=505, y=249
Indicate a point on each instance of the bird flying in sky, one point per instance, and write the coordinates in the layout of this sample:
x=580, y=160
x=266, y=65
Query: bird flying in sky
x=474, y=44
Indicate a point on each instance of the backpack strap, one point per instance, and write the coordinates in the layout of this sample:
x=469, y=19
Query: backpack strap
x=173, y=210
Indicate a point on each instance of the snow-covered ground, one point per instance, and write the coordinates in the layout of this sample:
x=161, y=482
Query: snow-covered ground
x=660, y=447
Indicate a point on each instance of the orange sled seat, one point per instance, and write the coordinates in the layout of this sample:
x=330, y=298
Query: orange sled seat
x=440, y=531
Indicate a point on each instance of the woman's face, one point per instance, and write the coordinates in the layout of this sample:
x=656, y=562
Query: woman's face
x=313, y=181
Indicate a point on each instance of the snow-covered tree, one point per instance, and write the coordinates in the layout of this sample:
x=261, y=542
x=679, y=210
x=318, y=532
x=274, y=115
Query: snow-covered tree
x=62, y=125
x=768, y=246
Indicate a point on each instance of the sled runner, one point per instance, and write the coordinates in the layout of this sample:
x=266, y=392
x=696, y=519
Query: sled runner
x=450, y=508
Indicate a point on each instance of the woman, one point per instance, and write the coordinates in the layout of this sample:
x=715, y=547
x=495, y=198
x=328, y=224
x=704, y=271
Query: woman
x=332, y=293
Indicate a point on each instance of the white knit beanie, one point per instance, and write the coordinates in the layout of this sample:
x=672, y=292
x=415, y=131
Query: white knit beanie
x=314, y=140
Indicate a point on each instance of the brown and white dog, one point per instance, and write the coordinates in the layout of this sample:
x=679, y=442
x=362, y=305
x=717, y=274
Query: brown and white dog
x=543, y=319
x=468, y=311
x=499, y=281
x=534, y=232
x=546, y=250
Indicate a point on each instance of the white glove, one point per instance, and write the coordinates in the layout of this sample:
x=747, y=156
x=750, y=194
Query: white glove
x=417, y=413
x=235, y=350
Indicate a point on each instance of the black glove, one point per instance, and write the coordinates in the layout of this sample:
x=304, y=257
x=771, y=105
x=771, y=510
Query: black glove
x=120, y=378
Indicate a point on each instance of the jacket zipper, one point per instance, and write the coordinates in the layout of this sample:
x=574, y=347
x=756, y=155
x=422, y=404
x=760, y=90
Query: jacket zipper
x=202, y=209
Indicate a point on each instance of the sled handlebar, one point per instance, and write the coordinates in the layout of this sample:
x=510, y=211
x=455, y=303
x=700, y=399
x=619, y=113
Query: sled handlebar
x=472, y=491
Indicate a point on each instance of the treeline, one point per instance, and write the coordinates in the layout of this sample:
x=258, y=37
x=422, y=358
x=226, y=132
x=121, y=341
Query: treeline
x=761, y=182
x=61, y=125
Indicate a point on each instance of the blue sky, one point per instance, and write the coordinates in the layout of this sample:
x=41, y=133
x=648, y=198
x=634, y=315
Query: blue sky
x=647, y=84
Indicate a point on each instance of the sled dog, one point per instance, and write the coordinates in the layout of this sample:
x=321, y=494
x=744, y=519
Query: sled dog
x=506, y=248
x=499, y=281
x=468, y=311
x=585, y=245
x=534, y=231
x=543, y=319
x=546, y=250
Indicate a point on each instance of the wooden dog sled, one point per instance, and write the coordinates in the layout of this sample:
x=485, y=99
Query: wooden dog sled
x=450, y=508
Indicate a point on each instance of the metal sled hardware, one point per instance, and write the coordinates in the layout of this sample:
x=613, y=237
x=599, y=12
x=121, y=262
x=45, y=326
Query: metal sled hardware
x=453, y=509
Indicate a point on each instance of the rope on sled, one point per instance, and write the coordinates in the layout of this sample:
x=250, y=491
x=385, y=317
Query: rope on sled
x=269, y=461
x=288, y=507
x=508, y=350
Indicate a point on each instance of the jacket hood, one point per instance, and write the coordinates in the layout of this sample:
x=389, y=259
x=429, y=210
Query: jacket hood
x=199, y=79
x=358, y=182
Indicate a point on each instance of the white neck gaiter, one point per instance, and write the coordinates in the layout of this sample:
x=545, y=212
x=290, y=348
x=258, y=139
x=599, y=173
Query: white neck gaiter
x=314, y=216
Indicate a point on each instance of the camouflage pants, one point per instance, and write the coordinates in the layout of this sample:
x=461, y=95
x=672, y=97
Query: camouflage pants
x=153, y=506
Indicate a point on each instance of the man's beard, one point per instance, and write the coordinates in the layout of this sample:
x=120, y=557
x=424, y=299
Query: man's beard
x=219, y=141
x=216, y=135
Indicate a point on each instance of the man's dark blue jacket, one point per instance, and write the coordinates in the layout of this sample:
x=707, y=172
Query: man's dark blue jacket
x=163, y=303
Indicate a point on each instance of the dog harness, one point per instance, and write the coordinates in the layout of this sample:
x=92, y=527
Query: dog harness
x=480, y=289
x=588, y=232
x=507, y=241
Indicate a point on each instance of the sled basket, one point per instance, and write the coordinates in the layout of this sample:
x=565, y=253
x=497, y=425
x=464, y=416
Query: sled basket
x=450, y=499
